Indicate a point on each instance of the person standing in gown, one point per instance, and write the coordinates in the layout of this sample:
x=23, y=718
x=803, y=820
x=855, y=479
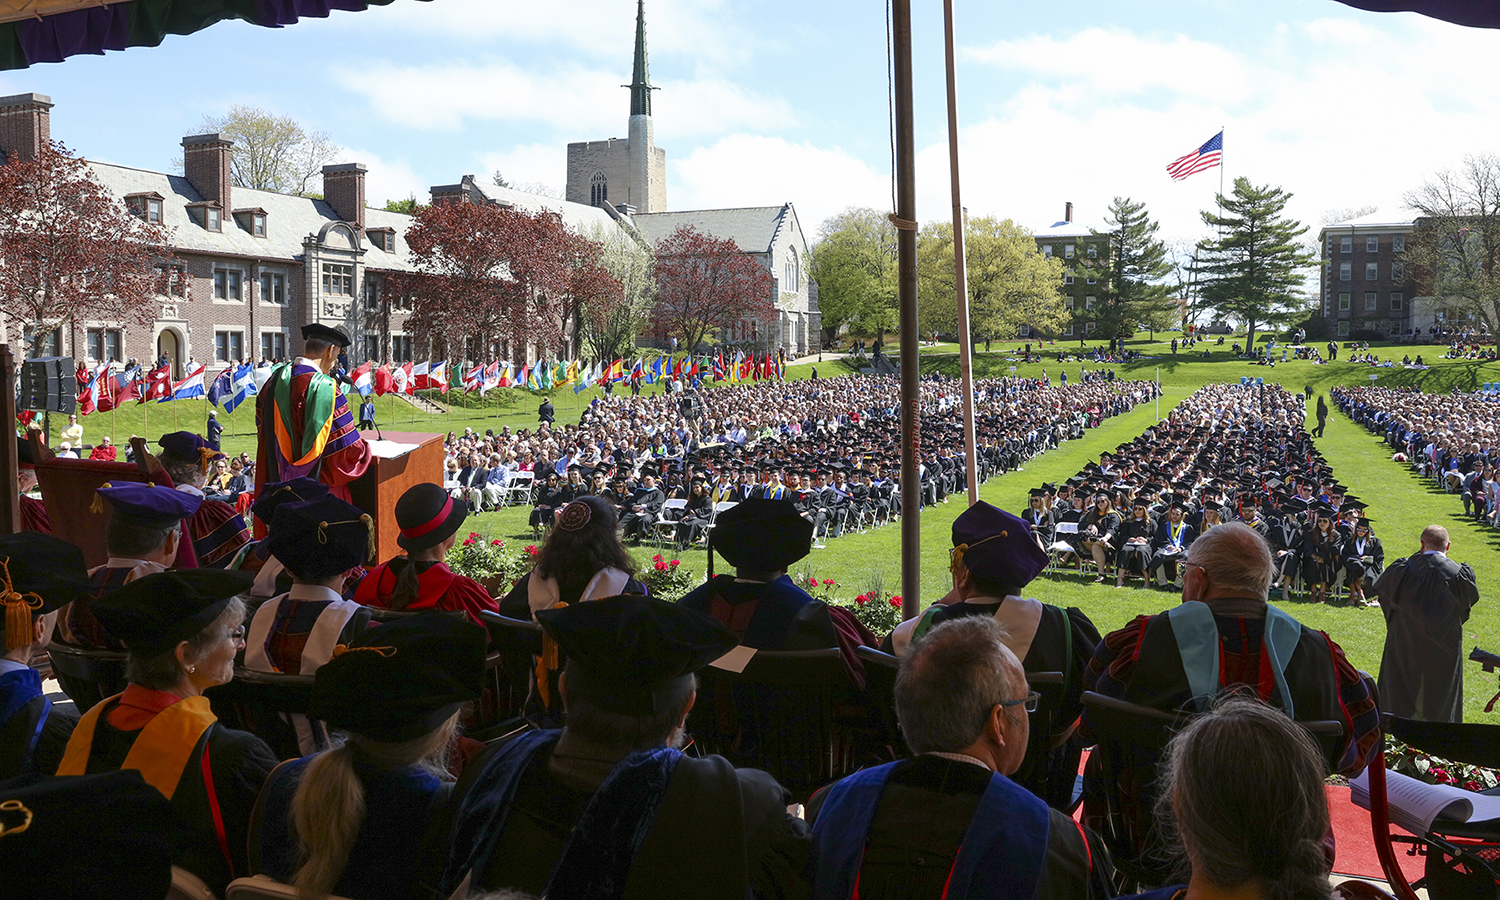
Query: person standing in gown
x=1426, y=600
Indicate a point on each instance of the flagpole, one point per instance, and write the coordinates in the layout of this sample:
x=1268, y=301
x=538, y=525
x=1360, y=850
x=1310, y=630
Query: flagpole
x=1221, y=180
x=960, y=266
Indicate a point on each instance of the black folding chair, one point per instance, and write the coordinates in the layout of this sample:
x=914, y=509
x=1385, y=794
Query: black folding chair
x=87, y=675
x=516, y=644
x=255, y=701
x=18, y=739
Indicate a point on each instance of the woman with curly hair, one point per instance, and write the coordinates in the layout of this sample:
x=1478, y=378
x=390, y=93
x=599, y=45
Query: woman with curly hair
x=582, y=559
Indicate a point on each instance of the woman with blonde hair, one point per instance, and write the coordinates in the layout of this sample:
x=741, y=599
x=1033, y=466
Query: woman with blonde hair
x=353, y=820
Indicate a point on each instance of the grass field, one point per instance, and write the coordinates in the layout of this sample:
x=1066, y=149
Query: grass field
x=1400, y=503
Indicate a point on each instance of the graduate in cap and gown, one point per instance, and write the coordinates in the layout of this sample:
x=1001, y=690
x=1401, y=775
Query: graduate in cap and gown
x=994, y=558
x=397, y=691
x=295, y=633
x=38, y=574
x=607, y=808
x=303, y=422
x=146, y=525
x=183, y=629
x=217, y=530
x=429, y=520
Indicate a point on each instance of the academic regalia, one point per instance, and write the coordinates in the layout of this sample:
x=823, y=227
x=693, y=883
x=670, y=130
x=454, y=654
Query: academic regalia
x=1426, y=600
x=438, y=587
x=936, y=827
x=217, y=530
x=529, y=595
x=34, y=515
x=1356, y=548
x=37, y=749
x=777, y=615
x=305, y=428
x=80, y=626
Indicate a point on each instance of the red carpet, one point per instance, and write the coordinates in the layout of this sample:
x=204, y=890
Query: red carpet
x=1355, y=854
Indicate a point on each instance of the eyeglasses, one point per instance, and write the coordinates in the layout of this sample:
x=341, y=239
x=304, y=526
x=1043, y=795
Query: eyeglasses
x=1030, y=700
x=238, y=635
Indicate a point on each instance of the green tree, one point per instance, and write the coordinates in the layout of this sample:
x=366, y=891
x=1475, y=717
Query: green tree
x=409, y=206
x=1252, y=269
x=854, y=264
x=1136, y=291
x=1457, y=241
x=271, y=152
x=609, y=330
x=1010, y=282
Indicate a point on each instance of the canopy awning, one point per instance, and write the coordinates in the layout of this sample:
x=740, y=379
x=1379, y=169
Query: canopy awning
x=1474, y=13
x=39, y=31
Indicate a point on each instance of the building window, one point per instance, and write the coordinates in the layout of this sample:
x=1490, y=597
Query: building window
x=1369, y=300
x=258, y=224
x=1344, y=300
x=1025, y=331
x=104, y=344
x=793, y=279
x=49, y=344
x=1372, y=245
x=1398, y=243
x=1088, y=302
x=214, y=218
x=229, y=346
x=1093, y=252
x=1395, y=326
x=1092, y=278
x=1047, y=250
x=227, y=284
x=1067, y=251
x=372, y=346
x=1068, y=302
x=1398, y=271
x=1346, y=271
x=153, y=210
x=174, y=280
x=338, y=279
x=400, y=348
x=1346, y=245
x=1372, y=271
x=1397, y=300
x=1068, y=331
x=598, y=190
x=1090, y=327
x=1343, y=327
x=272, y=345
x=273, y=288
x=1068, y=278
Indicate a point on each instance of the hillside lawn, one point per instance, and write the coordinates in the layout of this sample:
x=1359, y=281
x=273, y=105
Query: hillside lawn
x=1401, y=504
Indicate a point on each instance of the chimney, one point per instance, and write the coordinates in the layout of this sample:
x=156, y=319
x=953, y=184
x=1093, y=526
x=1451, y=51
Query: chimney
x=344, y=190
x=205, y=162
x=1068, y=211
x=25, y=125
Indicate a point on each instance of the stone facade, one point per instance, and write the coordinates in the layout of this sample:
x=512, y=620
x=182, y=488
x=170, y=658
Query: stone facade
x=1364, y=282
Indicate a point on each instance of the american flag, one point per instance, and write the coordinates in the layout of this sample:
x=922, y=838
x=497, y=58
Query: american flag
x=1206, y=157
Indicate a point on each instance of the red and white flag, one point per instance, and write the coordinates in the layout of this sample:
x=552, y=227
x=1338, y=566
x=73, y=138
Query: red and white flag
x=1206, y=157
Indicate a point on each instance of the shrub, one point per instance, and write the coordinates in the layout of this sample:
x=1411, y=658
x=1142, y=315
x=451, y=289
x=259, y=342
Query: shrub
x=880, y=615
x=667, y=579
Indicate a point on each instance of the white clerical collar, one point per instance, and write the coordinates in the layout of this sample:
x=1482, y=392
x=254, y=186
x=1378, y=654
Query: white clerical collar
x=960, y=757
x=313, y=363
x=314, y=592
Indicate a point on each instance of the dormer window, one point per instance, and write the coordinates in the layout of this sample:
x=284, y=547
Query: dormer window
x=259, y=223
x=145, y=206
x=252, y=220
x=214, y=218
x=382, y=238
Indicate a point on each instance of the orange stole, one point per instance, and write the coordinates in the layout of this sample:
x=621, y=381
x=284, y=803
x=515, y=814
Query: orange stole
x=161, y=753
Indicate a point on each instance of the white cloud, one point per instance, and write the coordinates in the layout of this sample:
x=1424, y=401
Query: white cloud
x=750, y=170
x=527, y=165
x=389, y=179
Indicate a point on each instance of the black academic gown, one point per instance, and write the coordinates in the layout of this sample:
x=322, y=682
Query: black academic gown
x=773, y=616
x=1426, y=600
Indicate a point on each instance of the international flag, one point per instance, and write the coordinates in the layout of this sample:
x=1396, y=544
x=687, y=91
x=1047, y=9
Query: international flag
x=419, y=377
x=364, y=379
x=437, y=377
x=585, y=380
x=189, y=387
x=244, y=387
x=654, y=374
x=158, y=384
x=541, y=373
x=98, y=394
x=1206, y=157
x=523, y=377
x=385, y=382
x=638, y=370
x=222, y=387
x=494, y=376
x=473, y=378
x=128, y=385
x=565, y=372
x=404, y=381
x=108, y=390
x=719, y=366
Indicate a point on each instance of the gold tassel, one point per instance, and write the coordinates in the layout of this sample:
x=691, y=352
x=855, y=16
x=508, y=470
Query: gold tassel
x=341, y=649
x=322, y=532
x=546, y=664
x=206, y=455
x=17, y=611
x=370, y=536
x=96, y=506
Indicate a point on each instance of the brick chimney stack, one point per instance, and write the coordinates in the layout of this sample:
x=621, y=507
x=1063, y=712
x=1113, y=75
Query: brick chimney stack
x=25, y=125
x=205, y=162
x=1068, y=211
x=344, y=190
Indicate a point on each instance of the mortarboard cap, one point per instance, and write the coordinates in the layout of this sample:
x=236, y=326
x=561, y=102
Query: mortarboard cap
x=150, y=506
x=296, y=490
x=628, y=653
x=155, y=613
x=321, y=538
x=761, y=535
x=319, y=332
x=41, y=573
x=994, y=544
x=188, y=447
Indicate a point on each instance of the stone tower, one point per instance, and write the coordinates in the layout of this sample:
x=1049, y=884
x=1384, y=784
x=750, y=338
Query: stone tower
x=632, y=172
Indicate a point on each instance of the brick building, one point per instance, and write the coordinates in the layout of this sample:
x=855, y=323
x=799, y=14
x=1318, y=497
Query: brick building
x=1086, y=257
x=1364, y=282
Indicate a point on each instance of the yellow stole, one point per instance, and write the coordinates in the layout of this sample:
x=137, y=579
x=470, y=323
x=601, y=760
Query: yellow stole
x=161, y=753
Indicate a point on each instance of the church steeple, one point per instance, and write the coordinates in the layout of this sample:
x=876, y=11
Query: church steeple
x=640, y=79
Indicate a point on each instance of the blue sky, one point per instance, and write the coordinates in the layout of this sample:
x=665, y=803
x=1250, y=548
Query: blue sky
x=771, y=101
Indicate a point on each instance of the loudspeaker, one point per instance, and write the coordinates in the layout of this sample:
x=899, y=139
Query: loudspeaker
x=48, y=383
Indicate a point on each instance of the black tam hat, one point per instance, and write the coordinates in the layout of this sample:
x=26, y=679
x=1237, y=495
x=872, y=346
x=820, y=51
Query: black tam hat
x=38, y=573
x=761, y=535
x=627, y=654
x=321, y=538
x=153, y=614
x=324, y=333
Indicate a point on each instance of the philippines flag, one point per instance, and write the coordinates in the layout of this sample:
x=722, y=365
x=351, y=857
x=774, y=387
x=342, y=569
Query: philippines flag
x=437, y=377
x=223, y=386
x=364, y=380
x=1206, y=157
x=419, y=377
x=189, y=387
x=244, y=387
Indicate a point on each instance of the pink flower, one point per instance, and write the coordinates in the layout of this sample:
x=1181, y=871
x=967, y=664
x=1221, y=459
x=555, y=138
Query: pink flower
x=656, y=558
x=812, y=582
x=1473, y=786
x=473, y=534
x=468, y=542
x=862, y=599
x=659, y=565
x=828, y=581
x=1441, y=776
x=896, y=601
x=676, y=563
x=497, y=543
x=531, y=550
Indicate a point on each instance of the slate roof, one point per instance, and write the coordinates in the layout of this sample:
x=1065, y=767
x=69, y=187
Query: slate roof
x=289, y=219
x=751, y=228
x=1375, y=220
x=1063, y=229
x=578, y=217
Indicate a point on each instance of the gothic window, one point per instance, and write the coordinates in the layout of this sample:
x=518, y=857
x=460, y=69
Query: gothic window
x=598, y=190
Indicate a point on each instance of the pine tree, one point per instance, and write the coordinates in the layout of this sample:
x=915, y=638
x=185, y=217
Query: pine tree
x=1136, y=292
x=1252, y=268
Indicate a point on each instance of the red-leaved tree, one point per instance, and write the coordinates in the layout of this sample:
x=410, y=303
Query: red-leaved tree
x=70, y=250
x=487, y=272
x=704, y=285
x=596, y=305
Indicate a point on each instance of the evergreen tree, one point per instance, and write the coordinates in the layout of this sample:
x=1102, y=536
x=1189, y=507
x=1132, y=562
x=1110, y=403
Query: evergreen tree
x=1136, y=292
x=1251, y=269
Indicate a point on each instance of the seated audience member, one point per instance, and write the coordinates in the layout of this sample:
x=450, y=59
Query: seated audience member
x=760, y=603
x=429, y=520
x=948, y=822
x=1222, y=636
x=1260, y=834
x=104, y=450
x=582, y=559
x=272, y=579
x=183, y=629
x=548, y=502
x=994, y=558
x=144, y=532
x=641, y=512
x=38, y=574
x=217, y=531
x=94, y=837
x=297, y=632
x=34, y=515
x=352, y=821
x=607, y=806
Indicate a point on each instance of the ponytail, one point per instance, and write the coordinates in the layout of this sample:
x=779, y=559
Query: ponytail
x=407, y=587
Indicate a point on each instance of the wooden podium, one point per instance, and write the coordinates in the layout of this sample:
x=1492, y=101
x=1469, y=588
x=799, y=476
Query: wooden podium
x=388, y=477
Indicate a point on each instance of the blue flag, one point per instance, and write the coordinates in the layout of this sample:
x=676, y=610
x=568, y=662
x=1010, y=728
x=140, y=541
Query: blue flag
x=244, y=387
x=222, y=387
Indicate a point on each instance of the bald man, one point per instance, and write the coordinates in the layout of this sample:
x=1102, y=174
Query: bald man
x=1426, y=599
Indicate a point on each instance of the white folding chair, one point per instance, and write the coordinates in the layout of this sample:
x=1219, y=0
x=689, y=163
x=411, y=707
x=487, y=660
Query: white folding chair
x=665, y=527
x=518, y=491
x=1058, y=547
x=719, y=507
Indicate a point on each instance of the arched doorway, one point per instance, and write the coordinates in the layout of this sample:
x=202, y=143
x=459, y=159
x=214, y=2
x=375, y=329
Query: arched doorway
x=169, y=346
